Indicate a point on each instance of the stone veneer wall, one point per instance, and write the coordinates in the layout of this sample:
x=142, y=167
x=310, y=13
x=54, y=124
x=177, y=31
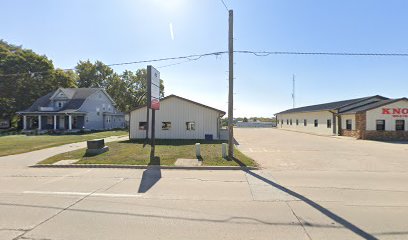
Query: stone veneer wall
x=349, y=133
x=360, y=127
x=386, y=135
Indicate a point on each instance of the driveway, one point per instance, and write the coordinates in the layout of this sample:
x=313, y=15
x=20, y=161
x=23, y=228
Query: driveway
x=277, y=149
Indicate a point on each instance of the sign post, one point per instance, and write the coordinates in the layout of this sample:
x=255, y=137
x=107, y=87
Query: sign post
x=153, y=102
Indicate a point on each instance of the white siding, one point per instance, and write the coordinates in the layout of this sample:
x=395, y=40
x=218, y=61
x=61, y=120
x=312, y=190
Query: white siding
x=351, y=117
x=178, y=112
x=321, y=116
x=376, y=114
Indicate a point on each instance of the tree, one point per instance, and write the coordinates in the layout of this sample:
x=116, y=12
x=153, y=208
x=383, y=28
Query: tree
x=130, y=90
x=25, y=76
x=94, y=75
x=66, y=79
x=245, y=119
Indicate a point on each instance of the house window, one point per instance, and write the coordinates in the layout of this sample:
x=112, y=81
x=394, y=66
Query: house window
x=166, y=125
x=142, y=125
x=86, y=119
x=281, y=121
x=380, y=125
x=304, y=122
x=316, y=123
x=190, y=126
x=290, y=121
x=349, y=124
x=400, y=125
x=297, y=122
x=329, y=123
x=60, y=104
x=287, y=121
x=103, y=107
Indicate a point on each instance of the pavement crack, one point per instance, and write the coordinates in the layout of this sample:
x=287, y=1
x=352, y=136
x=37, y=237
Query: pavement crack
x=300, y=221
x=21, y=236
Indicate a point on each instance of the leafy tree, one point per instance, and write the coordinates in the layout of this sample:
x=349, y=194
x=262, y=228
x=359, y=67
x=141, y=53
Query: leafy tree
x=67, y=78
x=245, y=119
x=25, y=76
x=95, y=75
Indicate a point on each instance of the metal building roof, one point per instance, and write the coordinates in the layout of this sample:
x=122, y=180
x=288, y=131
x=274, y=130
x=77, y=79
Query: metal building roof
x=331, y=106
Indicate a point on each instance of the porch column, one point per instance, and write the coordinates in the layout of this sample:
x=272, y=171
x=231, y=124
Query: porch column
x=70, y=122
x=39, y=122
x=25, y=122
x=55, y=122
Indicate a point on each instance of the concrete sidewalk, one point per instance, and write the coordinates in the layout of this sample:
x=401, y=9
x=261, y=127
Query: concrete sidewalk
x=30, y=158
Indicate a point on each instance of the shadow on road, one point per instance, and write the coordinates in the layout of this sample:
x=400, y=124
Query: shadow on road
x=311, y=203
x=150, y=176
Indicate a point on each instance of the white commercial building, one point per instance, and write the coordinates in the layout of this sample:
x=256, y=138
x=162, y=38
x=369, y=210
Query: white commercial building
x=374, y=117
x=178, y=118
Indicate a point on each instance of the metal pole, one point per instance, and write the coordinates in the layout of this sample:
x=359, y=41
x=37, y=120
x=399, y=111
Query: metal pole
x=231, y=85
x=153, y=137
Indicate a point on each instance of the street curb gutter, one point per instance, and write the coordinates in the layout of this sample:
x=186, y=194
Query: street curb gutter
x=143, y=167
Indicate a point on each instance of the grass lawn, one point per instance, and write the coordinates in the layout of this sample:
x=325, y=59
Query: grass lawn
x=14, y=144
x=167, y=151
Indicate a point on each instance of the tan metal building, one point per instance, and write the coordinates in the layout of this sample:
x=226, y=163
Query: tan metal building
x=375, y=117
x=178, y=118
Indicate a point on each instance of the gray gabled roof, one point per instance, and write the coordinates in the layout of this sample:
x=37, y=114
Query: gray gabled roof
x=78, y=98
x=330, y=106
x=373, y=105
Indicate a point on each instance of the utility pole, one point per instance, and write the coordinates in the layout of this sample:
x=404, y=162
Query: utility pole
x=293, y=91
x=231, y=85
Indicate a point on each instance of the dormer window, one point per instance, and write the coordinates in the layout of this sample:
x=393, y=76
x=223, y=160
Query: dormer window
x=59, y=104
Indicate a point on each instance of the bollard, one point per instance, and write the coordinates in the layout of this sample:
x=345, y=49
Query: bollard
x=224, y=150
x=198, y=152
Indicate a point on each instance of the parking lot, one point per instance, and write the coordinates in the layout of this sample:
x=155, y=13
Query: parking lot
x=287, y=150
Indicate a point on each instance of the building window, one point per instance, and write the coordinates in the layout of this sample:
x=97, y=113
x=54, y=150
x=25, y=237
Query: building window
x=329, y=123
x=297, y=122
x=281, y=121
x=287, y=121
x=304, y=122
x=316, y=123
x=400, y=125
x=59, y=104
x=190, y=126
x=86, y=119
x=166, y=125
x=290, y=121
x=380, y=125
x=142, y=125
x=349, y=124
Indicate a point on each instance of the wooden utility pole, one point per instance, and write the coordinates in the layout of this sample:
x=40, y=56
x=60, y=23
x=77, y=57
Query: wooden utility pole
x=231, y=85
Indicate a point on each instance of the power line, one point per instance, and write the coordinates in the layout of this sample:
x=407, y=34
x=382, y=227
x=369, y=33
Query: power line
x=193, y=57
x=196, y=57
x=223, y=3
x=267, y=53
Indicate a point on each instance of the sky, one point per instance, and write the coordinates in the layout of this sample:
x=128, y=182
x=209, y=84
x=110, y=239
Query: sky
x=67, y=31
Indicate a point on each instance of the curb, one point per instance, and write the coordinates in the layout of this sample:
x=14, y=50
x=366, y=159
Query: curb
x=143, y=167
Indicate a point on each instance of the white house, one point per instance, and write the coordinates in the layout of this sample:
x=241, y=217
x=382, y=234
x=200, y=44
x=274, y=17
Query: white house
x=178, y=118
x=72, y=109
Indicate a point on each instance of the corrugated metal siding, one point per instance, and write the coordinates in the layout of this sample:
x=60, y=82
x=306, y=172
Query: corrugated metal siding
x=178, y=112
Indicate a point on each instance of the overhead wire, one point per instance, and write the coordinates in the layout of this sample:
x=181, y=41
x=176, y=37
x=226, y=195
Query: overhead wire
x=195, y=57
x=225, y=5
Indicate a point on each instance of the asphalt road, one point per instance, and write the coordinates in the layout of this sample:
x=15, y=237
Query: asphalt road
x=292, y=201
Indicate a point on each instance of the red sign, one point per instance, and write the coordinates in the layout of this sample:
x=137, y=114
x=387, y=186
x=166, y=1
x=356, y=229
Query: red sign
x=396, y=112
x=155, y=104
